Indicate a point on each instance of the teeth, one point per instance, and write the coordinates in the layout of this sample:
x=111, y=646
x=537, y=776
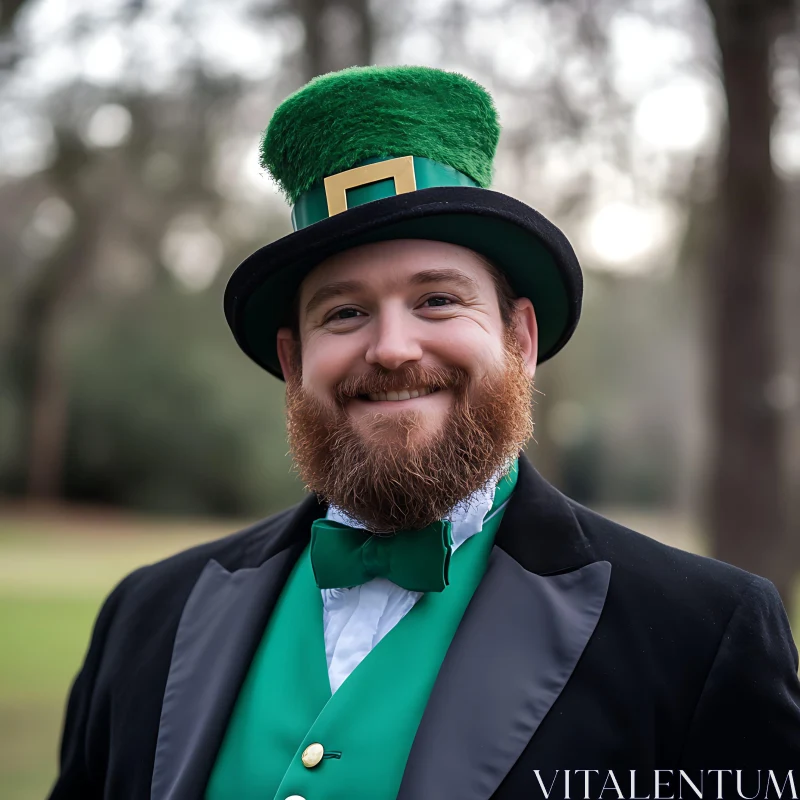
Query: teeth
x=403, y=394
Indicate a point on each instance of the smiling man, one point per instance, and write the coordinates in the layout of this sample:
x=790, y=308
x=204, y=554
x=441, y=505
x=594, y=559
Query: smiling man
x=434, y=620
x=407, y=387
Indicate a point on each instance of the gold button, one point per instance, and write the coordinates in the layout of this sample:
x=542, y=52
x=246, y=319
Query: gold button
x=312, y=755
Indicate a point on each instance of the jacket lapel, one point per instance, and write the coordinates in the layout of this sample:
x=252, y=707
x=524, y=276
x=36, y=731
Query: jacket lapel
x=220, y=628
x=517, y=646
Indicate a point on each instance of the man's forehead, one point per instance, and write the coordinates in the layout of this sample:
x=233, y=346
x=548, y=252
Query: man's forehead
x=404, y=262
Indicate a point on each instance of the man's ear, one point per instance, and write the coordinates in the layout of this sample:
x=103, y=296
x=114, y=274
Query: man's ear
x=288, y=353
x=526, y=332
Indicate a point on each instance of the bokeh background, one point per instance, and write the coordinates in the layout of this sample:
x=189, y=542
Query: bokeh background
x=663, y=136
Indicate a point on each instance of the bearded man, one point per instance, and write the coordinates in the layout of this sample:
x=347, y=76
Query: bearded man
x=435, y=620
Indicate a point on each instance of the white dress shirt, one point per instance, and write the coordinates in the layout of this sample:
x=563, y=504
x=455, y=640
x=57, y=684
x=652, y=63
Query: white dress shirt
x=356, y=619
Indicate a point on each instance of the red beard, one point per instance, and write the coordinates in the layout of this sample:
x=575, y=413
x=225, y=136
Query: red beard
x=395, y=482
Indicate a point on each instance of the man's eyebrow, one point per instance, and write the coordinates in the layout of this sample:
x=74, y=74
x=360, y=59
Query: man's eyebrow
x=337, y=288
x=331, y=290
x=446, y=276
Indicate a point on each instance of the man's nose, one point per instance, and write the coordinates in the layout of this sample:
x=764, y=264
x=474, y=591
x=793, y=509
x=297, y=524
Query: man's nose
x=393, y=340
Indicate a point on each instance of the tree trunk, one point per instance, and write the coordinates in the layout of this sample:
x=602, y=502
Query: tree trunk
x=337, y=35
x=363, y=38
x=48, y=411
x=39, y=353
x=747, y=506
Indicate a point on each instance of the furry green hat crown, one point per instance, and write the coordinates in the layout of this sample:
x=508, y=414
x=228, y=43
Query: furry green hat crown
x=344, y=118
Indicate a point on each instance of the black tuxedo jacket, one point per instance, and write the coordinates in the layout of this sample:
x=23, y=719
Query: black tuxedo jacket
x=586, y=646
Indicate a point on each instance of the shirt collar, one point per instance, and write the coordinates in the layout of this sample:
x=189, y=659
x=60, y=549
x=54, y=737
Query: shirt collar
x=467, y=516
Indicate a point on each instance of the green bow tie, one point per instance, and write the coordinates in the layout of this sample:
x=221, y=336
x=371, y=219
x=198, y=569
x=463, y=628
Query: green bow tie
x=342, y=556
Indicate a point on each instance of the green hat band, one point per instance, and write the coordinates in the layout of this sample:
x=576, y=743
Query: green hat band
x=314, y=205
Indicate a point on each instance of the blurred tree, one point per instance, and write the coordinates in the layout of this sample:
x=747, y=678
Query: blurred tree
x=120, y=201
x=124, y=203
x=747, y=500
x=36, y=347
x=338, y=34
x=787, y=386
x=88, y=181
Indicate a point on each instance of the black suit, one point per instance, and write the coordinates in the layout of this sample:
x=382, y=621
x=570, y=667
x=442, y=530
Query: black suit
x=586, y=646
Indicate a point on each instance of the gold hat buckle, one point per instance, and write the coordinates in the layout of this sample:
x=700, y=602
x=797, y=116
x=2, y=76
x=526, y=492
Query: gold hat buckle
x=400, y=169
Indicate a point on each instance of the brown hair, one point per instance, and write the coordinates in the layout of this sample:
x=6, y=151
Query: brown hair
x=505, y=294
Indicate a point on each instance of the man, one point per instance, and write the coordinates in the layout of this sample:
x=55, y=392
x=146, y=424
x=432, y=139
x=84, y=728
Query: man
x=435, y=620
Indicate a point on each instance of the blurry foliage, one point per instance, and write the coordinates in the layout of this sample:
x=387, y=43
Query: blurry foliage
x=625, y=415
x=166, y=414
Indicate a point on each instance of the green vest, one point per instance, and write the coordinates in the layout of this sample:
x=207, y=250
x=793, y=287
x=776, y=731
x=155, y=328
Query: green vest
x=368, y=726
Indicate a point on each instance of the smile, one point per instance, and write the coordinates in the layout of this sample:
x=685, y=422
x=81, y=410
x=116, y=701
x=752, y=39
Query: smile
x=407, y=393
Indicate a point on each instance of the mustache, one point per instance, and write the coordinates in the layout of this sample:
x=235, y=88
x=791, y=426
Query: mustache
x=382, y=380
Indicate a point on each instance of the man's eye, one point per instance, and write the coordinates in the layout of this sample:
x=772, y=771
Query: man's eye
x=438, y=302
x=344, y=313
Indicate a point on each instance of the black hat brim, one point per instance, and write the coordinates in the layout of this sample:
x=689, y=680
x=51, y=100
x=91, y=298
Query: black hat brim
x=533, y=253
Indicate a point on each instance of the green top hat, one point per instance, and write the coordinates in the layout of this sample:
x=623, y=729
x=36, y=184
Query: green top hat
x=376, y=153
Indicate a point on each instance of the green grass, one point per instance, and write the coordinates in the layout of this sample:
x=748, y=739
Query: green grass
x=43, y=635
x=43, y=642
x=55, y=571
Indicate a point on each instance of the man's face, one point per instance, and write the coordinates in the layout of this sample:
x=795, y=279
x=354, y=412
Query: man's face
x=402, y=354
x=392, y=306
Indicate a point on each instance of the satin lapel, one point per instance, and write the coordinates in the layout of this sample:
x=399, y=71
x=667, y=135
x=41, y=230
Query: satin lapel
x=539, y=529
x=513, y=653
x=220, y=628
